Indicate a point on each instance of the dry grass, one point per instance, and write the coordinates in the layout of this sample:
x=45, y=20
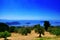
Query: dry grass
x=32, y=36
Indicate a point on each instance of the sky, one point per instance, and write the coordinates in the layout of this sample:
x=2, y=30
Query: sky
x=30, y=9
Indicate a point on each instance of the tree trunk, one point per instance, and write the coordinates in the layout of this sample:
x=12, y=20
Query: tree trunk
x=40, y=35
x=5, y=38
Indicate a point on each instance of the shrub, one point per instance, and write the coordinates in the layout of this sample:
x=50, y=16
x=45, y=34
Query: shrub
x=4, y=27
x=28, y=29
x=12, y=29
x=1, y=33
x=16, y=30
x=4, y=35
x=55, y=31
x=24, y=31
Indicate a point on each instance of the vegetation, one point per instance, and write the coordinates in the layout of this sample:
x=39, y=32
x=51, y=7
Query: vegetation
x=5, y=30
x=46, y=25
x=4, y=35
x=24, y=31
x=39, y=30
x=48, y=38
x=4, y=27
x=12, y=29
x=54, y=30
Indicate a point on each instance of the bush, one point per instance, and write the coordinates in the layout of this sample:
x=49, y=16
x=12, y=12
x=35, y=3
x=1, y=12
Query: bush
x=24, y=31
x=4, y=27
x=4, y=35
x=1, y=33
x=16, y=30
x=55, y=31
x=28, y=29
x=12, y=29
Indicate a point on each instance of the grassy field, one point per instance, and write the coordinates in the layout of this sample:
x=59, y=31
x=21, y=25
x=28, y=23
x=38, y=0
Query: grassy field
x=48, y=38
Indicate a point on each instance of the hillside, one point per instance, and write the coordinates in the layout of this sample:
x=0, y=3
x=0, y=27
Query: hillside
x=32, y=36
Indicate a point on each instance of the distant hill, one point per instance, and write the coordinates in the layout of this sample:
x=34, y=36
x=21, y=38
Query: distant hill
x=13, y=23
x=31, y=22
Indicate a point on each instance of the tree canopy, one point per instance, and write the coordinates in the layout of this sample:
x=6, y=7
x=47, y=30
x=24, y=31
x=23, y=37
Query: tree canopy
x=46, y=25
x=4, y=27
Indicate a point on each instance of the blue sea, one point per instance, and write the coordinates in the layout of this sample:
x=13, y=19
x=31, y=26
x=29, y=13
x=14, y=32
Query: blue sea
x=29, y=22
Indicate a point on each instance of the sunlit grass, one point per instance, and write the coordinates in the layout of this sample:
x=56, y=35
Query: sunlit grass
x=48, y=38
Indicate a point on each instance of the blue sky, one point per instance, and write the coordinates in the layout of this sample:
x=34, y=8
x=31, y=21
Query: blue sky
x=30, y=9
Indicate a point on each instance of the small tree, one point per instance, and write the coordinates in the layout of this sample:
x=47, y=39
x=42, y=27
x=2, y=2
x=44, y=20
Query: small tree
x=39, y=30
x=28, y=29
x=16, y=30
x=46, y=25
x=5, y=35
x=4, y=27
x=24, y=31
x=12, y=28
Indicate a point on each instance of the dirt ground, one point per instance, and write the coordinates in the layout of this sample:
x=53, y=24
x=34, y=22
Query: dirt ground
x=32, y=36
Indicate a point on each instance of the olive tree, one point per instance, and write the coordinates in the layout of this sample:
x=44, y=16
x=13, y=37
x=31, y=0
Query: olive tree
x=39, y=30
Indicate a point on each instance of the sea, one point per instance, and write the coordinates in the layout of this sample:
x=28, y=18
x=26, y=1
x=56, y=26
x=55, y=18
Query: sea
x=30, y=22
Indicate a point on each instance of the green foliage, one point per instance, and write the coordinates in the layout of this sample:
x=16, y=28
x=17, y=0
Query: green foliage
x=4, y=35
x=37, y=26
x=28, y=30
x=46, y=25
x=12, y=29
x=4, y=27
x=1, y=34
x=55, y=31
x=16, y=30
x=24, y=31
x=39, y=30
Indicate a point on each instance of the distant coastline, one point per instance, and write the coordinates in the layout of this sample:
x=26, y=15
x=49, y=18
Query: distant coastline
x=31, y=22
